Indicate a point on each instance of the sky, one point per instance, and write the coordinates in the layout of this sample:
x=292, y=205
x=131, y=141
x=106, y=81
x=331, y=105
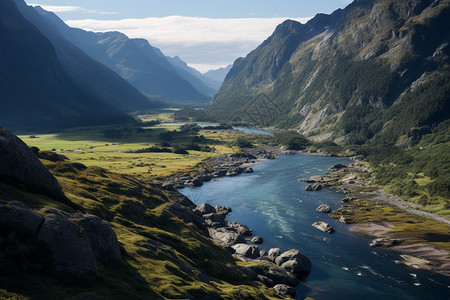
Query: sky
x=207, y=34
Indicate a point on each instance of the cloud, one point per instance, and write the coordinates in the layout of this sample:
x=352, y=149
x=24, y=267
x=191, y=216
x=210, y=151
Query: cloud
x=198, y=41
x=67, y=8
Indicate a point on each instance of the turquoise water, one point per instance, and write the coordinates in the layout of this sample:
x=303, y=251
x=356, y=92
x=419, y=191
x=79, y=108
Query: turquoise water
x=273, y=203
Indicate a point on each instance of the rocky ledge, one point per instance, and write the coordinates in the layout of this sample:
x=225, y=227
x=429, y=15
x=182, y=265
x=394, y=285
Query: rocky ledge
x=277, y=270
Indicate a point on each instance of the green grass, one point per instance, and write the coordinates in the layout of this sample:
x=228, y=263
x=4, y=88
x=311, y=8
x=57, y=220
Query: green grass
x=114, y=186
x=413, y=228
x=90, y=147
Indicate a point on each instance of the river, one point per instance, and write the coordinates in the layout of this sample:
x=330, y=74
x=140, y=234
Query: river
x=274, y=204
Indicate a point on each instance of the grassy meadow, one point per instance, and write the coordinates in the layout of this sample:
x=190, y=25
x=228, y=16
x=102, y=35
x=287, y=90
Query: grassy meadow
x=96, y=146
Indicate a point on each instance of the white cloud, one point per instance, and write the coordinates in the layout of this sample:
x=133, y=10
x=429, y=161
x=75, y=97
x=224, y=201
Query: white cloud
x=67, y=8
x=198, y=41
x=60, y=8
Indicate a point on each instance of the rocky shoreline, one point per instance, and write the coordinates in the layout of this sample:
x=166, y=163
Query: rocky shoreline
x=278, y=270
x=346, y=178
x=221, y=166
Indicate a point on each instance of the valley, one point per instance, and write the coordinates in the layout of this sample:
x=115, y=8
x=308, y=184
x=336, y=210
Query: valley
x=316, y=166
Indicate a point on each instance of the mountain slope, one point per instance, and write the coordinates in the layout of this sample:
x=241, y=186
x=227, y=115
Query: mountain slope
x=216, y=77
x=377, y=70
x=35, y=90
x=89, y=73
x=135, y=60
x=193, y=76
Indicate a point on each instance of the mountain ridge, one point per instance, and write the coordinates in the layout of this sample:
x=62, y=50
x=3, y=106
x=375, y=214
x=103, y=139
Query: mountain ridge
x=135, y=60
x=36, y=90
x=362, y=60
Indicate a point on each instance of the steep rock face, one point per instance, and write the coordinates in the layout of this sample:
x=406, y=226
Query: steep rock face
x=348, y=73
x=35, y=89
x=20, y=165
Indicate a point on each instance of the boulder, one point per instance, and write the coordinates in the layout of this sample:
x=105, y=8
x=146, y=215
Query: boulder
x=321, y=225
x=246, y=250
x=205, y=208
x=313, y=187
x=381, y=242
x=265, y=280
x=16, y=213
x=225, y=236
x=299, y=267
x=273, y=253
x=323, y=208
x=284, y=290
x=21, y=166
x=215, y=217
x=294, y=261
x=257, y=240
x=240, y=228
x=70, y=246
x=343, y=220
x=279, y=275
x=222, y=209
x=103, y=239
x=248, y=170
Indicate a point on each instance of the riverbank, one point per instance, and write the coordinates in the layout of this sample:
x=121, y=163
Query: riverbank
x=221, y=166
x=421, y=238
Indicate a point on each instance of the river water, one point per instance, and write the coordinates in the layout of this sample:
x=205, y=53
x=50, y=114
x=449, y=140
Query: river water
x=273, y=203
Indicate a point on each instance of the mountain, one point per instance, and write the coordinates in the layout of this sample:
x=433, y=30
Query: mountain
x=88, y=73
x=194, y=77
x=375, y=71
x=216, y=77
x=135, y=60
x=36, y=90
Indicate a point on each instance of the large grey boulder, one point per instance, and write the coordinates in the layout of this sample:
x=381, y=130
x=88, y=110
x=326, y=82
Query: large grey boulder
x=205, y=208
x=240, y=228
x=297, y=266
x=102, y=238
x=313, y=187
x=19, y=165
x=18, y=214
x=323, y=208
x=257, y=240
x=384, y=243
x=246, y=250
x=295, y=262
x=220, y=218
x=225, y=236
x=323, y=226
x=273, y=253
x=70, y=246
x=281, y=276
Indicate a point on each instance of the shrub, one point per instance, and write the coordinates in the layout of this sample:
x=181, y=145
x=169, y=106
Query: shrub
x=242, y=142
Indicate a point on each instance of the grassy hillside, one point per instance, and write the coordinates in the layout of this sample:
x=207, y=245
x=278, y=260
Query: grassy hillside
x=172, y=258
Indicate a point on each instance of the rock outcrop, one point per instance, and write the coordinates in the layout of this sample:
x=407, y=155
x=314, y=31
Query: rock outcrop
x=323, y=208
x=21, y=166
x=16, y=213
x=323, y=226
x=295, y=262
x=76, y=241
x=70, y=247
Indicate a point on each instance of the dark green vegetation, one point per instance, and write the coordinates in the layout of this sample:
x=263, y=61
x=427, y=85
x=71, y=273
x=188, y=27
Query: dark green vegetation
x=374, y=77
x=37, y=89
